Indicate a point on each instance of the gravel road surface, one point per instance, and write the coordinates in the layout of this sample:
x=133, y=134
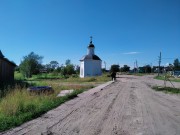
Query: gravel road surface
x=127, y=106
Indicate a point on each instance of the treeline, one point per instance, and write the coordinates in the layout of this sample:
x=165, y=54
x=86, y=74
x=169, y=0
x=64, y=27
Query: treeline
x=147, y=68
x=32, y=65
x=117, y=68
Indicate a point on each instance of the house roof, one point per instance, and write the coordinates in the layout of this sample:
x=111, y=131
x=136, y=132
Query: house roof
x=5, y=59
x=1, y=55
x=90, y=57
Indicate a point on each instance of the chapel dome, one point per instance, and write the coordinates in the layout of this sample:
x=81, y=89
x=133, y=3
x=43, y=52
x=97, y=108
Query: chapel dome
x=90, y=55
x=91, y=44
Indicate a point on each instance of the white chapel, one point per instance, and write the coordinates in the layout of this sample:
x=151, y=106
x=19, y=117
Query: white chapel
x=90, y=63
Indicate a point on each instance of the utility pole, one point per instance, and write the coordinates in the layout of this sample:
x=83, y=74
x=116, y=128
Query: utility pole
x=151, y=67
x=159, y=64
x=137, y=66
x=105, y=65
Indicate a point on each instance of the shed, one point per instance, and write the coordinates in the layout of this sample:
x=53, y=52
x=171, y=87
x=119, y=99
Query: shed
x=6, y=69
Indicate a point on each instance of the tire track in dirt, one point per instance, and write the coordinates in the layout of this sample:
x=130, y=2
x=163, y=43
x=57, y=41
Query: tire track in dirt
x=95, y=107
x=106, y=114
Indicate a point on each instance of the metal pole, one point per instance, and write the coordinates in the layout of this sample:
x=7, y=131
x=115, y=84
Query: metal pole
x=159, y=64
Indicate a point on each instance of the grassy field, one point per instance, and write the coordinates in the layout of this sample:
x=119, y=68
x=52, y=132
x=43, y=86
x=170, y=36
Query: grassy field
x=161, y=77
x=19, y=106
x=167, y=89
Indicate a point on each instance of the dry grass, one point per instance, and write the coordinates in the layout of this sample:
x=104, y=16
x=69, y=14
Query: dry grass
x=171, y=78
x=19, y=106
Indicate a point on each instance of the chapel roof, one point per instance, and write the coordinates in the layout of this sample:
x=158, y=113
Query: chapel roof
x=90, y=57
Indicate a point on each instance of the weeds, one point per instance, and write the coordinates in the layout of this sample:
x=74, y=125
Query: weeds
x=173, y=79
x=18, y=105
x=167, y=89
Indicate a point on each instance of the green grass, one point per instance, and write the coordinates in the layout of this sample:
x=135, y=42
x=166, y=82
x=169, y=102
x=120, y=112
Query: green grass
x=18, y=76
x=71, y=78
x=170, y=78
x=19, y=106
x=167, y=89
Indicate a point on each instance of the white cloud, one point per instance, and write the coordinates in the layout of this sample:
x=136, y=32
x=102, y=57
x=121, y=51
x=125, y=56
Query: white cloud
x=130, y=53
x=167, y=64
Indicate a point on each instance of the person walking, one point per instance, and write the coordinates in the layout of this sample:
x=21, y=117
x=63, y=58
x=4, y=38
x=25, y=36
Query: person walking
x=113, y=76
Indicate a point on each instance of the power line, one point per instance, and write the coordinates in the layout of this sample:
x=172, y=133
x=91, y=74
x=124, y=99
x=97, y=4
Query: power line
x=171, y=58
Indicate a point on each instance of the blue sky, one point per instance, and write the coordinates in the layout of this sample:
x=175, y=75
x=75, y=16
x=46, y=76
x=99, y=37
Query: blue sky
x=123, y=30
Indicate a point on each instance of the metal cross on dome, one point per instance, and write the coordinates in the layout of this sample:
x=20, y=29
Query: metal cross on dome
x=91, y=39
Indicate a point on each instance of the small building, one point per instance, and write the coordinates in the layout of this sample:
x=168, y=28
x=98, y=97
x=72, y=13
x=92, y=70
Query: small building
x=6, y=69
x=176, y=73
x=90, y=64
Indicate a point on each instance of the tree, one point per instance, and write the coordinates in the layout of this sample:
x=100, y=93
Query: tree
x=59, y=69
x=169, y=67
x=114, y=68
x=54, y=64
x=68, y=62
x=147, y=69
x=176, y=64
x=77, y=69
x=17, y=68
x=125, y=68
x=63, y=71
x=69, y=69
x=30, y=64
x=47, y=67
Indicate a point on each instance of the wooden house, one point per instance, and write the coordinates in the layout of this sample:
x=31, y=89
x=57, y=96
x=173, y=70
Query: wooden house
x=6, y=69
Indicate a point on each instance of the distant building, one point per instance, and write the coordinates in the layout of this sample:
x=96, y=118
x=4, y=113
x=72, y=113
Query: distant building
x=90, y=64
x=176, y=73
x=6, y=69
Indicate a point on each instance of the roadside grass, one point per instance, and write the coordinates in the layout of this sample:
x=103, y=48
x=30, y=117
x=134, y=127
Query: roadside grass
x=19, y=106
x=103, y=78
x=161, y=77
x=167, y=89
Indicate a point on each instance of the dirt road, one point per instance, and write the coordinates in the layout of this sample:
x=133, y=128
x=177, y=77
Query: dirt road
x=126, y=107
